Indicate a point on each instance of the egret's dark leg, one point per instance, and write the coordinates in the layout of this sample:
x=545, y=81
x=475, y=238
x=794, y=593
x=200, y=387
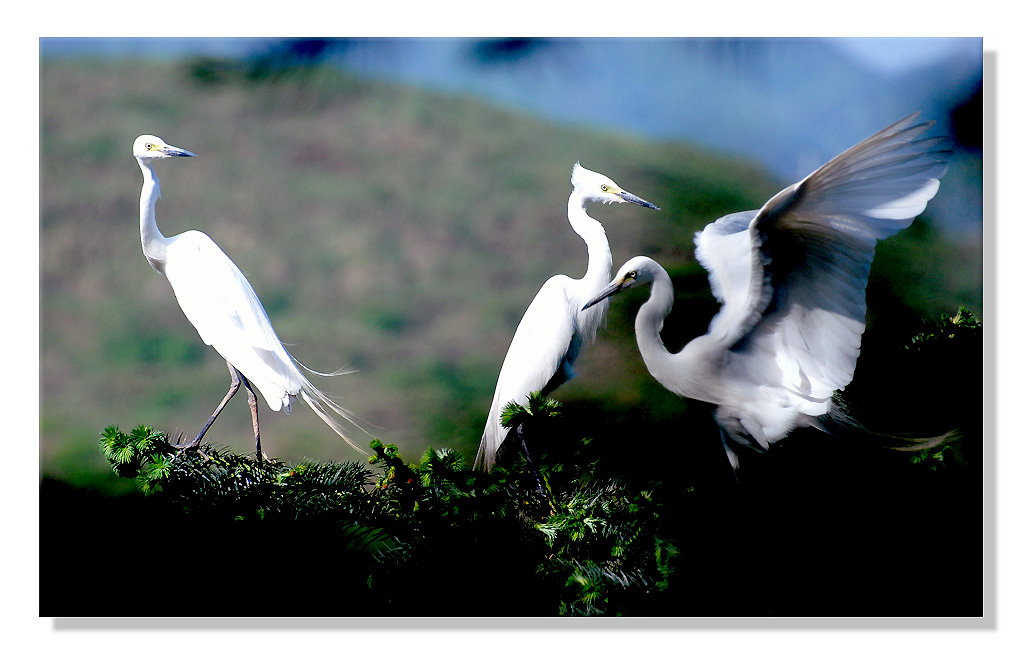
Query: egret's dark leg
x=235, y=383
x=536, y=473
x=255, y=415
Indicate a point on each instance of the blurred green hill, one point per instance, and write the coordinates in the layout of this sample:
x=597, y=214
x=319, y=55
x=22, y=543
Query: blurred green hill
x=395, y=231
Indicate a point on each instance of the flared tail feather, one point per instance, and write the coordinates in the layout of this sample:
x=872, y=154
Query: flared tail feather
x=317, y=401
x=839, y=423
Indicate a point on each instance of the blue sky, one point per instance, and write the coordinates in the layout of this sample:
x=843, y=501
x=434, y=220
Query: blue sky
x=901, y=53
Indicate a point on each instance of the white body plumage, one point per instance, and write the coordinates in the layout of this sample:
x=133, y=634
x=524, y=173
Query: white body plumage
x=791, y=278
x=221, y=304
x=554, y=329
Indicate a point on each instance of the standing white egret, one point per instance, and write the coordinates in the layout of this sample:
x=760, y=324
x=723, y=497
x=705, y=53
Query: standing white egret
x=221, y=304
x=791, y=279
x=554, y=328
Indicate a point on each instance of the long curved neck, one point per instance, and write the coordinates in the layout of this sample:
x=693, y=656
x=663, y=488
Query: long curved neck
x=599, y=261
x=154, y=244
x=649, y=321
x=680, y=372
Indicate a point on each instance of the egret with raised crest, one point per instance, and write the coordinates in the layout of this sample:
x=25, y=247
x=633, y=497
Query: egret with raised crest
x=554, y=328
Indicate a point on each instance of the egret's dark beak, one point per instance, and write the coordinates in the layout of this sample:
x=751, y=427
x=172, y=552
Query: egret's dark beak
x=632, y=198
x=174, y=151
x=613, y=288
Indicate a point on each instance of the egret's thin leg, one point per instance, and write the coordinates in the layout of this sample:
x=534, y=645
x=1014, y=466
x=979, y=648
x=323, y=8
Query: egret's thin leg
x=235, y=383
x=536, y=473
x=255, y=415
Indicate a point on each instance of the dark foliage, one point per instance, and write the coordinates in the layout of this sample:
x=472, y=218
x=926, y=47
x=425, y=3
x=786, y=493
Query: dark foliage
x=287, y=59
x=641, y=525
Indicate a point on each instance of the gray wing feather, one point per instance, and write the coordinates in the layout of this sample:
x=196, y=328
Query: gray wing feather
x=793, y=311
x=815, y=242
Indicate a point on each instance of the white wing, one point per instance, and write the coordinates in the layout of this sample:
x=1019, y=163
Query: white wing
x=540, y=357
x=216, y=297
x=725, y=249
x=812, y=246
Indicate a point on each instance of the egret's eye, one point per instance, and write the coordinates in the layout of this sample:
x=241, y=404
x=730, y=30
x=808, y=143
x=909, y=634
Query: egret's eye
x=149, y=147
x=604, y=188
x=630, y=276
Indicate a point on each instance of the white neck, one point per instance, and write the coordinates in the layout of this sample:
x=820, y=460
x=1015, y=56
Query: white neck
x=154, y=244
x=599, y=261
x=682, y=372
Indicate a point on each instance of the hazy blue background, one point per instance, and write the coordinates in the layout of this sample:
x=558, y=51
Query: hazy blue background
x=790, y=103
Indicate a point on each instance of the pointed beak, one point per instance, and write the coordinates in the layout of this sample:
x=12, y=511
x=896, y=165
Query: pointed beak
x=174, y=151
x=612, y=288
x=632, y=198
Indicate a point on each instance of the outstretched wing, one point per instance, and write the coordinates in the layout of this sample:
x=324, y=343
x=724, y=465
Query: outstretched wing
x=221, y=304
x=725, y=249
x=812, y=247
x=540, y=357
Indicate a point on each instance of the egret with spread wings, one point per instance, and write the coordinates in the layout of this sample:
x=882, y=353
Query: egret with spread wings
x=791, y=278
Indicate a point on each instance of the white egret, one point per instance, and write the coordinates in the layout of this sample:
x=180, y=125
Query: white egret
x=791, y=279
x=221, y=304
x=554, y=328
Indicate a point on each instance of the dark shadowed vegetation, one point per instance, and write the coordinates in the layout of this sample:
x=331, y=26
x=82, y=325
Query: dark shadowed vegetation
x=856, y=530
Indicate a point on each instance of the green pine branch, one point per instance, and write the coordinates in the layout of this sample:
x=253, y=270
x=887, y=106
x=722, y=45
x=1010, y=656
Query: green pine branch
x=431, y=527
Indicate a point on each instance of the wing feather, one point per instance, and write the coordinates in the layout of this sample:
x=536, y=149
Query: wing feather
x=221, y=304
x=724, y=248
x=540, y=357
x=793, y=312
x=816, y=242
